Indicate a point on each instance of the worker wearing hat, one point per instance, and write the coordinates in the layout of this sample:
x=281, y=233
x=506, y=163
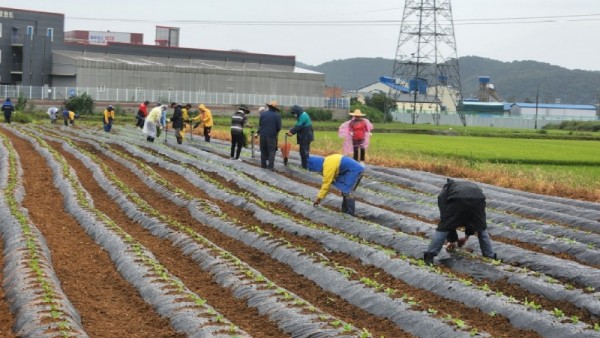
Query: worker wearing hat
x=205, y=117
x=356, y=134
x=269, y=125
x=109, y=116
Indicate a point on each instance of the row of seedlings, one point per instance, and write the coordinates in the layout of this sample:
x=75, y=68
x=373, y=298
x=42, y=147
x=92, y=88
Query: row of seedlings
x=573, y=212
x=581, y=244
x=534, y=280
x=188, y=312
x=31, y=286
x=262, y=195
x=549, y=238
x=291, y=313
x=333, y=279
x=539, y=284
x=584, y=297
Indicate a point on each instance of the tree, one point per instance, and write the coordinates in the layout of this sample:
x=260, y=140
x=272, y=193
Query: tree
x=80, y=104
x=381, y=102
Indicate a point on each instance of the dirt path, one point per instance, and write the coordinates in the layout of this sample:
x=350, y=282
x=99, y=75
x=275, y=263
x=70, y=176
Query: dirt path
x=171, y=257
x=108, y=305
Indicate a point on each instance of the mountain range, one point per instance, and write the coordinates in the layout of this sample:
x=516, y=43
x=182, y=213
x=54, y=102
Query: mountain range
x=516, y=81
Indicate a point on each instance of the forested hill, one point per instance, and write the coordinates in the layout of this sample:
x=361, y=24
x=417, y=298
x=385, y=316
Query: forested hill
x=515, y=81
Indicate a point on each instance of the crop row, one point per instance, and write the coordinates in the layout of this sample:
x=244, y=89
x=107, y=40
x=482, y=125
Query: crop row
x=527, y=304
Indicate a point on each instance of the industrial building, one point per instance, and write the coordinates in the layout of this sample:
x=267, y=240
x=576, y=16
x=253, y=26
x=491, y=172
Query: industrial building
x=115, y=66
x=557, y=111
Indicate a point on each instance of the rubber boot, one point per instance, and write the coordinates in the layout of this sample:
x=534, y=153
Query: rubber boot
x=180, y=140
x=428, y=258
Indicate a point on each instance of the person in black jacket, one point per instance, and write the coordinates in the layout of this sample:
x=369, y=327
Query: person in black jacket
x=304, y=133
x=177, y=122
x=461, y=203
x=269, y=125
x=7, y=109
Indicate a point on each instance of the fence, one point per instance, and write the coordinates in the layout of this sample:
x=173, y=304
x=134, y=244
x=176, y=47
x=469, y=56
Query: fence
x=481, y=121
x=138, y=95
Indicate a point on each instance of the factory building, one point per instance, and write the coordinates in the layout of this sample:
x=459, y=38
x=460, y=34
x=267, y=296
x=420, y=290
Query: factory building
x=35, y=51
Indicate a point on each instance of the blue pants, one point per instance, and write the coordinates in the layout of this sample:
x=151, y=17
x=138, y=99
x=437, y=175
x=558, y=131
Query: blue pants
x=440, y=237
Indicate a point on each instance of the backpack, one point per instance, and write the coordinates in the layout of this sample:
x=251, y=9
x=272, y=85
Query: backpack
x=358, y=129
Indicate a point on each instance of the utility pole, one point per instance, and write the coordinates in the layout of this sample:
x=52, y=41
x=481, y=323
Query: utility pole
x=537, y=100
x=426, y=57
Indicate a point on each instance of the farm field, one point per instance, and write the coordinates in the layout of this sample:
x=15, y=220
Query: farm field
x=107, y=235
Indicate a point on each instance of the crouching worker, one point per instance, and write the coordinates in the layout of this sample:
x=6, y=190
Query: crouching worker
x=461, y=203
x=341, y=171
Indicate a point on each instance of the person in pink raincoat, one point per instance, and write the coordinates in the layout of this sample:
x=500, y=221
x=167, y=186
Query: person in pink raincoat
x=356, y=134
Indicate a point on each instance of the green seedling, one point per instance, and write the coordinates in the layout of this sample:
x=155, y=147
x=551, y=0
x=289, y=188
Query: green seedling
x=558, y=313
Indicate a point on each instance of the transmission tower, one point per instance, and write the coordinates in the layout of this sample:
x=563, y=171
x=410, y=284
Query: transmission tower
x=426, y=61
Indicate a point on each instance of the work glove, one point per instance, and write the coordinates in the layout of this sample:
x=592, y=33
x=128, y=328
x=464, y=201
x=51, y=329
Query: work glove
x=461, y=241
x=317, y=202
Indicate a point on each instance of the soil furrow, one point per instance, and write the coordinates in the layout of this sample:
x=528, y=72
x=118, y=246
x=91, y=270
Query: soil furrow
x=108, y=305
x=171, y=257
x=275, y=271
x=497, y=325
x=7, y=319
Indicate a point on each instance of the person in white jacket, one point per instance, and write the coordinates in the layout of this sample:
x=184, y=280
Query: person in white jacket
x=152, y=124
x=52, y=111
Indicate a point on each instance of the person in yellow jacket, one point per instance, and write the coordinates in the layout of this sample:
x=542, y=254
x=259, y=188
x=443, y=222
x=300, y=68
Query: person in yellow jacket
x=341, y=171
x=184, y=116
x=109, y=116
x=68, y=117
x=205, y=117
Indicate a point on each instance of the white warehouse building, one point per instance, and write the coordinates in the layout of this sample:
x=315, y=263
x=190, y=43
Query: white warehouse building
x=555, y=111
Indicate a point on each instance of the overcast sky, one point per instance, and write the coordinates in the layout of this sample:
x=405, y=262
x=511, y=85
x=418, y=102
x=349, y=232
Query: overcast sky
x=560, y=32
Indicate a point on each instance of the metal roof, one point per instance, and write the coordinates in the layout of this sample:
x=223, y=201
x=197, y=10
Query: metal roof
x=556, y=106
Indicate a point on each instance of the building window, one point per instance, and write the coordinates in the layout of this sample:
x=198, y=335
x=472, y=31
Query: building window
x=30, y=32
x=101, y=88
x=50, y=33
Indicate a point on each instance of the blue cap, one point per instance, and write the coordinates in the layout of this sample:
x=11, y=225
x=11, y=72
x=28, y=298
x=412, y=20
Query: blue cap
x=315, y=163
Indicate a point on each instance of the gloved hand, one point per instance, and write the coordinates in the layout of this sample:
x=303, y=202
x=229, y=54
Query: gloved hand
x=450, y=247
x=462, y=241
x=317, y=202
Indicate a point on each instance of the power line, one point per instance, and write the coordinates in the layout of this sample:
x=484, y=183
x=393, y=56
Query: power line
x=457, y=22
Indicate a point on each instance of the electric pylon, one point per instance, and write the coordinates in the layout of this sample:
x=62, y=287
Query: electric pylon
x=426, y=61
